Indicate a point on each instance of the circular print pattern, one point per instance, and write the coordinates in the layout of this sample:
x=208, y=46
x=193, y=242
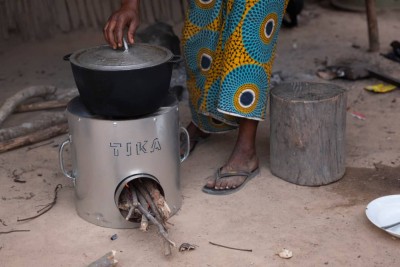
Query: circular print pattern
x=244, y=91
x=204, y=58
x=233, y=16
x=204, y=12
x=260, y=27
x=268, y=28
x=198, y=52
x=205, y=40
x=246, y=98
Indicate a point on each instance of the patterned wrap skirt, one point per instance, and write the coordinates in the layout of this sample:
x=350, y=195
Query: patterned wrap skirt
x=228, y=46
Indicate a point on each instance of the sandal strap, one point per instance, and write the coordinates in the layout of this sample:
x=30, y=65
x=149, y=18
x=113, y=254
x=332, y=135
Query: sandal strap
x=231, y=173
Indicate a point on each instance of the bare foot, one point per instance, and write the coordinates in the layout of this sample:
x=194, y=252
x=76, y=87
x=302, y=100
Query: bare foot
x=241, y=160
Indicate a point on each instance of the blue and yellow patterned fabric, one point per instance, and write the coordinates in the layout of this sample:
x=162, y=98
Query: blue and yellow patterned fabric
x=229, y=50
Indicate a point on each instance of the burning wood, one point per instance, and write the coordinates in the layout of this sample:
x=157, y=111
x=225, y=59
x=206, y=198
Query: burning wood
x=141, y=201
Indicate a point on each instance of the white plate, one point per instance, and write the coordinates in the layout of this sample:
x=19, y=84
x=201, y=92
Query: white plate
x=385, y=211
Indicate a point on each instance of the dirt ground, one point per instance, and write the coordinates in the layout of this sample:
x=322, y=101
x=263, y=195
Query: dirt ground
x=322, y=226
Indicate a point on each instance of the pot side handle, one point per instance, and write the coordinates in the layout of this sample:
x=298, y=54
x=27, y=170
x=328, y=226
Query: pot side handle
x=60, y=154
x=66, y=57
x=186, y=154
x=175, y=59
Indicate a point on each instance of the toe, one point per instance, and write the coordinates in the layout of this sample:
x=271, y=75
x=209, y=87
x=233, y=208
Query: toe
x=221, y=184
x=236, y=181
x=210, y=182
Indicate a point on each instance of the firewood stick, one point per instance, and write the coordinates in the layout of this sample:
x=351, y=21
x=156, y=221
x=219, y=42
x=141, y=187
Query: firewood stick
x=144, y=224
x=33, y=138
x=11, y=103
x=166, y=241
x=161, y=228
x=130, y=213
x=167, y=248
x=150, y=201
x=52, y=104
x=107, y=260
x=135, y=200
x=158, y=199
x=46, y=120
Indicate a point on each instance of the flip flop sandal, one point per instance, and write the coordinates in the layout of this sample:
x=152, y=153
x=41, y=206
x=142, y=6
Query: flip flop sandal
x=219, y=175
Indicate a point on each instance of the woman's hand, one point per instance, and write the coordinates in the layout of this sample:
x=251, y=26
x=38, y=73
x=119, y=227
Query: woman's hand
x=126, y=16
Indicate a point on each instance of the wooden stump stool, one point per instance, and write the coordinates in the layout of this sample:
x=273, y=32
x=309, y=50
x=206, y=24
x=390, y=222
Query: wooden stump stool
x=307, y=138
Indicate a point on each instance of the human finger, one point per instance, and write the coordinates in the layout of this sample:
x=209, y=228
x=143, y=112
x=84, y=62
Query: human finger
x=109, y=33
x=131, y=31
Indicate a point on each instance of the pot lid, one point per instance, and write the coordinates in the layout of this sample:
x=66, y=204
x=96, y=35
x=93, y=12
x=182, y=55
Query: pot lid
x=137, y=56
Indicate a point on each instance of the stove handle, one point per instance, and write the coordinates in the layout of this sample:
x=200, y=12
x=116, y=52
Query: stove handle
x=186, y=154
x=60, y=153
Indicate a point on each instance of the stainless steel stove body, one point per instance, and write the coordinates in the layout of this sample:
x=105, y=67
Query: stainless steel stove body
x=106, y=154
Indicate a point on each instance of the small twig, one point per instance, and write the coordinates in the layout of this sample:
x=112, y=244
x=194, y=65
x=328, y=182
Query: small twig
x=161, y=228
x=48, y=206
x=14, y=231
x=40, y=145
x=241, y=249
x=45, y=207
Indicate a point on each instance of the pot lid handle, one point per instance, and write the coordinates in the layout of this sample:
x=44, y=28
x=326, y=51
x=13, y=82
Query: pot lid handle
x=126, y=47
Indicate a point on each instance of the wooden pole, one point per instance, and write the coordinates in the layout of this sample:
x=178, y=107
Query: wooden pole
x=372, y=20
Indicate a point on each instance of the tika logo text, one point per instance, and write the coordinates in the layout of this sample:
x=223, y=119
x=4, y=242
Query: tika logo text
x=131, y=149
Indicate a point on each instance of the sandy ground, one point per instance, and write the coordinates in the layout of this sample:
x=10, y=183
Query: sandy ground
x=322, y=226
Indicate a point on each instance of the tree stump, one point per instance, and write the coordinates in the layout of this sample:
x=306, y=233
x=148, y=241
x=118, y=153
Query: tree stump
x=307, y=133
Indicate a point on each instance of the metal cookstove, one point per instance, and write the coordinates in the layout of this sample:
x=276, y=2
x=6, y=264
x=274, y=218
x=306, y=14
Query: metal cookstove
x=107, y=154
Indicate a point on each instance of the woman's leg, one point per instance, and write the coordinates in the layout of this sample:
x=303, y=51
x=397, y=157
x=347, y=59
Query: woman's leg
x=243, y=157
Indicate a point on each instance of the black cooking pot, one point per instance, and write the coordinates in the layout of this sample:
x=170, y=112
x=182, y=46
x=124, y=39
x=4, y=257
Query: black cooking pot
x=128, y=82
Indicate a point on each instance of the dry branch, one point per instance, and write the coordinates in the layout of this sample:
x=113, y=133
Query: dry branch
x=223, y=246
x=11, y=103
x=46, y=208
x=42, y=105
x=33, y=138
x=47, y=120
x=161, y=228
x=14, y=231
